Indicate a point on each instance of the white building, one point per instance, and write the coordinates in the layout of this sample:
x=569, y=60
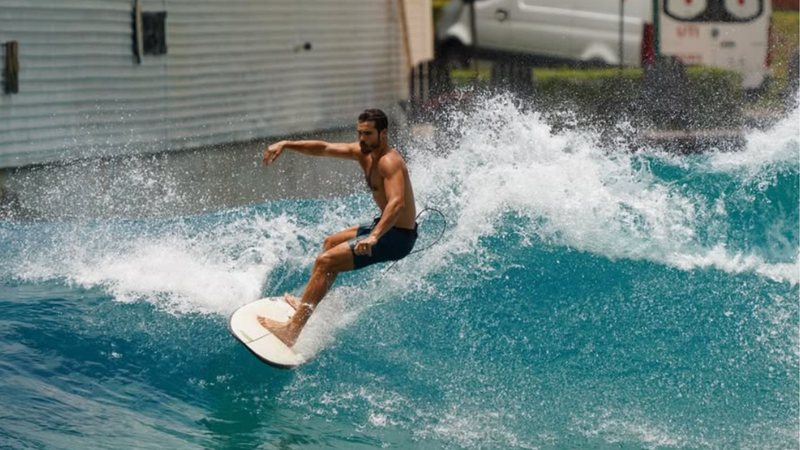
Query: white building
x=96, y=77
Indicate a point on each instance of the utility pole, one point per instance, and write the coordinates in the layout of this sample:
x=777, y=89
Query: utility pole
x=621, y=33
x=473, y=29
x=656, y=30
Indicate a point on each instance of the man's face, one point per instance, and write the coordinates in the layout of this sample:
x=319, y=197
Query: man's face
x=368, y=137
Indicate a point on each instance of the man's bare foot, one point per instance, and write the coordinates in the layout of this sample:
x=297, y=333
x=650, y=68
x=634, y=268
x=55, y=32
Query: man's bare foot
x=293, y=301
x=279, y=329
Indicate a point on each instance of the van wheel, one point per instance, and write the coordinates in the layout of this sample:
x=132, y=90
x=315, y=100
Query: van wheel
x=453, y=55
x=594, y=63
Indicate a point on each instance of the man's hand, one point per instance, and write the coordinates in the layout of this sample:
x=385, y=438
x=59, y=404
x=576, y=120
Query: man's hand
x=273, y=151
x=364, y=246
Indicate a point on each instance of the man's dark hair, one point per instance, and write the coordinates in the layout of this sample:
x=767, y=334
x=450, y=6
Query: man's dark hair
x=375, y=116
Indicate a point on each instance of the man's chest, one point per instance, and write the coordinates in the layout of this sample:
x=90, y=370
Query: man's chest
x=372, y=175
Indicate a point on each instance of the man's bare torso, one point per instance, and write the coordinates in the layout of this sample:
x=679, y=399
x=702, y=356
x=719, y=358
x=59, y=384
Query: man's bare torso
x=375, y=182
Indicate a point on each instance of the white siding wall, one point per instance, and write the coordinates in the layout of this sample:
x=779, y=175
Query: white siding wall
x=234, y=70
x=420, y=29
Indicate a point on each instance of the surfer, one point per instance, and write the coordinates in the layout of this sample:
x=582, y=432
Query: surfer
x=389, y=237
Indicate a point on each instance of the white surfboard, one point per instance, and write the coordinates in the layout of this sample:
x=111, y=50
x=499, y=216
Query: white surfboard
x=245, y=327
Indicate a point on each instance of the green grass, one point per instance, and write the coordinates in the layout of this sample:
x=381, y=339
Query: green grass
x=466, y=77
x=586, y=74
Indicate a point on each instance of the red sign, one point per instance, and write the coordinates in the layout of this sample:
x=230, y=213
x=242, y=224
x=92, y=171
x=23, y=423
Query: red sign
x=688, y=31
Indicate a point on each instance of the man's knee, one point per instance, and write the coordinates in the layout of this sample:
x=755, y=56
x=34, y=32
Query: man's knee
x=325, y=262
x=336, y=260
x=329, y=243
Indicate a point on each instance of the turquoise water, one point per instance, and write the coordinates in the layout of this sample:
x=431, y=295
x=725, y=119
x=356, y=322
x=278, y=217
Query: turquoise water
x=580, y=297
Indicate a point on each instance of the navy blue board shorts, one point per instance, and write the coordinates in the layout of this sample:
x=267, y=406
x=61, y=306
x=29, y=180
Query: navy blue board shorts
x=395, y=244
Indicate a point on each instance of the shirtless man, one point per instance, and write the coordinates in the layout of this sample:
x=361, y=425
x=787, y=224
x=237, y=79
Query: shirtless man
x=389, y=237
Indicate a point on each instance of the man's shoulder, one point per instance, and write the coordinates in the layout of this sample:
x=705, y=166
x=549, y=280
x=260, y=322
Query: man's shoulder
x=392, y=161
x=394, y=157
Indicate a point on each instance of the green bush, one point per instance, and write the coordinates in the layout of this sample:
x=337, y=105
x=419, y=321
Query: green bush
x=599, y=94
x=716, y=97
x=705, y=98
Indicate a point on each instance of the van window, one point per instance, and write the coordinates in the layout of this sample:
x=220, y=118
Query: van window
x=685, y=9
x=714, y=10
x=743, y=9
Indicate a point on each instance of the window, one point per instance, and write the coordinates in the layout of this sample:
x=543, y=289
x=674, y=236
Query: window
x=11, y=69
x=714, y=10
x=154, y=37
x=149, y=32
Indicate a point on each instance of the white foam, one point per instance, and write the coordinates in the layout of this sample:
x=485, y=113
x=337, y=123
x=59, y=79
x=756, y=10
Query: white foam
x=179, y=270
x=472, y=429
x=778, y=144
x=573, y=191
x=633, y=428
x=183, y=279
x=720, y=258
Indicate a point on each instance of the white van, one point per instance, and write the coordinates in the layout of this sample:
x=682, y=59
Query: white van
x=730, y=34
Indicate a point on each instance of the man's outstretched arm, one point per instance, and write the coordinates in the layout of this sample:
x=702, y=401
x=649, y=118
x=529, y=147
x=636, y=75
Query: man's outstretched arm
x=312, y=148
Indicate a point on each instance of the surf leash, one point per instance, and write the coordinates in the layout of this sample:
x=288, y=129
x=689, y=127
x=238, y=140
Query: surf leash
x=435, y=241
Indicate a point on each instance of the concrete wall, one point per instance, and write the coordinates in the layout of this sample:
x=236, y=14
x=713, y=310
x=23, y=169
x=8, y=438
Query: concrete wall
x=173, y=184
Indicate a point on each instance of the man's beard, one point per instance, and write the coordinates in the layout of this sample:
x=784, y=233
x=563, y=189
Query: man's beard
x=366, y=149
